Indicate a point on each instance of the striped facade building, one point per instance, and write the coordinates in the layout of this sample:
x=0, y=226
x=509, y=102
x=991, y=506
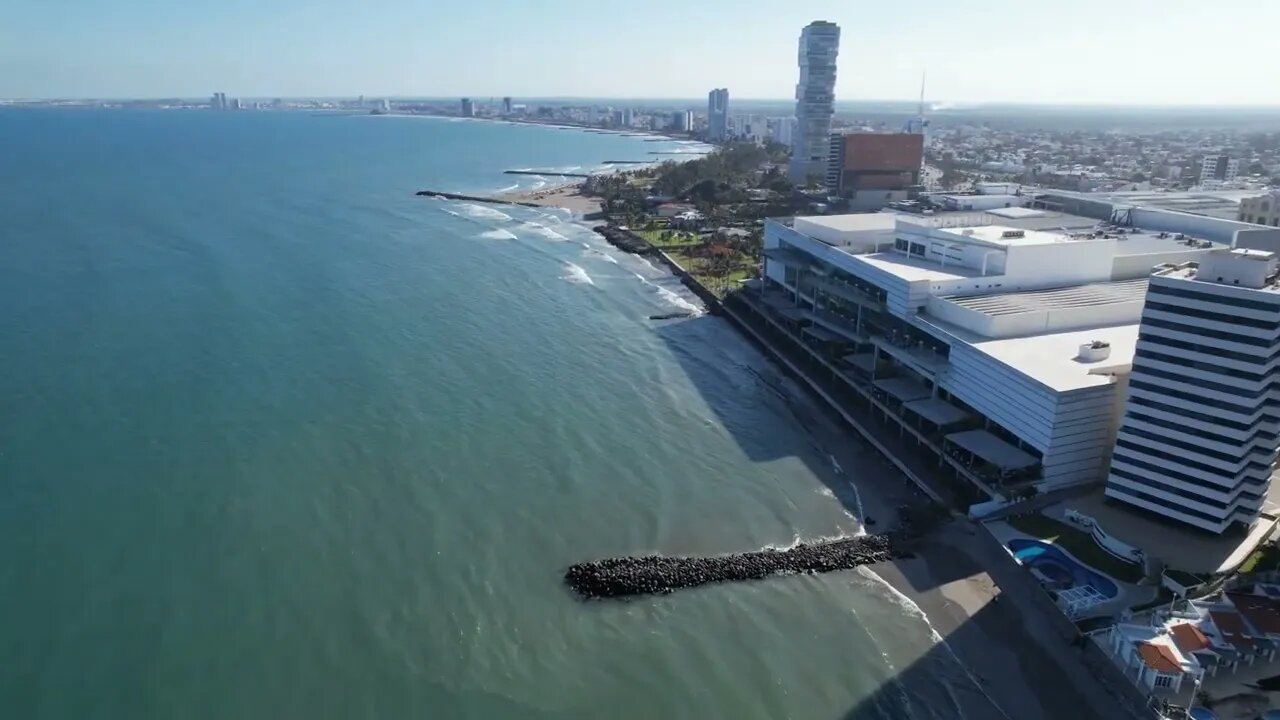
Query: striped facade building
x=1201, y=425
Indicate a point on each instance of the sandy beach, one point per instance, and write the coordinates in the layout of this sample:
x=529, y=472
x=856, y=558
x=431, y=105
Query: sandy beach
x=566, y=196
x=1025, y=670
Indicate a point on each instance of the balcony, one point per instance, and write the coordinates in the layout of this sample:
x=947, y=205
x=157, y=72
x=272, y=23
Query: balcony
x=836, y=323
x=847, y=292
x=921, y=358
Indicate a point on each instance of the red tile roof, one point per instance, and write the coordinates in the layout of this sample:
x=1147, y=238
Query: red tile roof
x=1188, y=637
x=1263, y=613
x=1159, y=658
x=1232, y=628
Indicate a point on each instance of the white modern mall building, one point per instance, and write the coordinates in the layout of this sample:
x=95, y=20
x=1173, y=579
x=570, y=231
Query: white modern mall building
x=1201, y=427
x=1004, y=337
x=815, y=101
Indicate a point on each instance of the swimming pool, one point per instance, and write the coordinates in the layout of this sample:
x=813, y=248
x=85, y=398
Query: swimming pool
x=1060, y=568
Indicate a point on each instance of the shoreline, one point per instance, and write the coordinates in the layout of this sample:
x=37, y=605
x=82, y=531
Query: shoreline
x=988, y=638
x=567, y=195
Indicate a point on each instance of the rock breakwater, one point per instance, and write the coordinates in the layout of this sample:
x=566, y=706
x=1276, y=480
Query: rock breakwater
x=656, y=574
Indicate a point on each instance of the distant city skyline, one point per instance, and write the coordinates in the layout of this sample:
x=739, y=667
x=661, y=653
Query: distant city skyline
x=1104, y=52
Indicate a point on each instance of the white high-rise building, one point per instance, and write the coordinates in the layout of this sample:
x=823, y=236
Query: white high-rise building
x=815, y=99
x=1201, y=426
x=783, y=128
x=718, y=114
x=1218, y=169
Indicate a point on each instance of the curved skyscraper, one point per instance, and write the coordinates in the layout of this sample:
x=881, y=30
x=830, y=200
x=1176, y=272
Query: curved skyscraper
x=815, y=98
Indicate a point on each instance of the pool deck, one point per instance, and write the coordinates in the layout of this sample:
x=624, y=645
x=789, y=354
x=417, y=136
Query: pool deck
x=1127, y=596
x=1178, y=546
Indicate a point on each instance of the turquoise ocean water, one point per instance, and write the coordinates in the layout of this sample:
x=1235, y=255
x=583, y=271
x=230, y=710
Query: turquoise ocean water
x=280, y=440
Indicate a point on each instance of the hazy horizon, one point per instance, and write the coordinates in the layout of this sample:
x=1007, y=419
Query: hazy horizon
x=1104, y=53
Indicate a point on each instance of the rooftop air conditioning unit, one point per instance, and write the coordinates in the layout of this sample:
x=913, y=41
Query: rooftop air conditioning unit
x=1094, y=351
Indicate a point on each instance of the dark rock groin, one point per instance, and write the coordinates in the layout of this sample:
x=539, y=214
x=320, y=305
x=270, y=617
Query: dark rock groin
x=652, y=574
x=625, y=240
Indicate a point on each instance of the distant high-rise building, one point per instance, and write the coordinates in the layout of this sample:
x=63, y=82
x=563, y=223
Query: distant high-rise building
x=815, y=100
x=628, y=117
x=1218, y=168
x=506, y=106
x=718, y=114
x=682, y=121
x=235, y=103
x=218, y=101
x=468, y=108
x=1197, y=442
x=615, y=118
x=782, y=130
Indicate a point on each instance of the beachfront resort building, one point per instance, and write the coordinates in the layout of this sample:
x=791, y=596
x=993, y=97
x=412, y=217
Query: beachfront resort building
x=718, y=115
x=815, y=101
x=1001, y=339
x=1201, y=426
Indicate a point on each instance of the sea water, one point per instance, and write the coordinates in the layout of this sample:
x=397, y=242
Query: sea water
x=279, y=439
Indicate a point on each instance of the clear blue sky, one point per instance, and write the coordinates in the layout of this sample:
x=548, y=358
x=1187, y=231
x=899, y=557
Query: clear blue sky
x=1200, y=52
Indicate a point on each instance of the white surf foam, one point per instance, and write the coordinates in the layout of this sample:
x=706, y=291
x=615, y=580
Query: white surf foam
x=670, y=297
x=498, y=234
x=575, y=274
x=480, y=211
x=509, y=188
x=544, y=231
x=678, y=301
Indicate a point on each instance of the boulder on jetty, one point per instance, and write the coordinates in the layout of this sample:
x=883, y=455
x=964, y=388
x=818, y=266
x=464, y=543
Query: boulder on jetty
x=625, y=240
x=620, y=577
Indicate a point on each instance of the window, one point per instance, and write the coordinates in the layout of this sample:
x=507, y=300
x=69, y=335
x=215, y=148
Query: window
x=1164, y=681
x=1248, y=218
x=900, y=244
x=918, y=249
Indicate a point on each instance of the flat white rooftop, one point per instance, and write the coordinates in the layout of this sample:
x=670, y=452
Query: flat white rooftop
x=1005, y=236
x=910, y=268
x=1053, y=359
x=1032, y=301
x=1017, y=212
x=849, y=223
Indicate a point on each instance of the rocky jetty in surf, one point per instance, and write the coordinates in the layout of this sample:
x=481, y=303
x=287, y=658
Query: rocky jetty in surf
x=656, y=574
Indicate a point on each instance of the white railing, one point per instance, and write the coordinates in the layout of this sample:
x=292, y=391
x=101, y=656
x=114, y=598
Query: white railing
x=1116, y=547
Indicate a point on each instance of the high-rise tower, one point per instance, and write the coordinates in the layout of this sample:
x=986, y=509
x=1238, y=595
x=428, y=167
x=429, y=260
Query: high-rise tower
x=815, y=101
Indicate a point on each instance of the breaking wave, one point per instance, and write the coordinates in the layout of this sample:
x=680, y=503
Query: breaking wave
x=670, y=297
x=497, y=234
x=575, y=274
x=544, y=231
x=482, y=212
